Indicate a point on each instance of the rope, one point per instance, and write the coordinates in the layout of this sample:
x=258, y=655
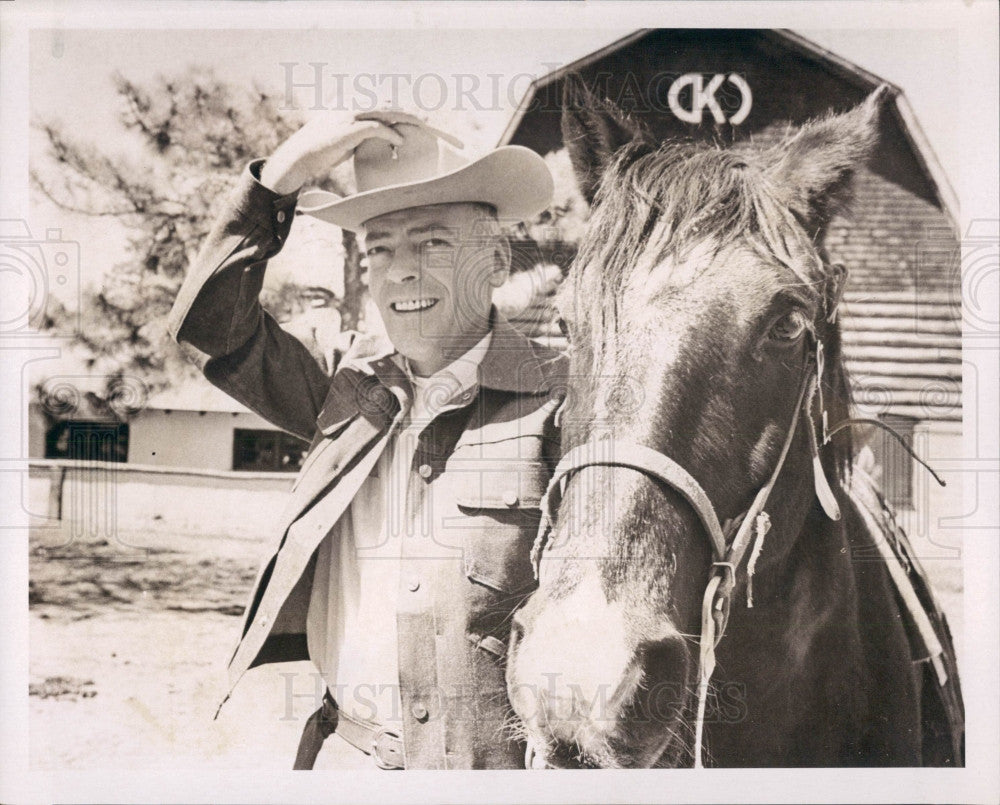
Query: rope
x=763, y=526
x=706, y=664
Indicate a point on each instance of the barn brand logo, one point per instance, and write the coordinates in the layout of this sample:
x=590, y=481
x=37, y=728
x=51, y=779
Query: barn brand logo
x=703, y=96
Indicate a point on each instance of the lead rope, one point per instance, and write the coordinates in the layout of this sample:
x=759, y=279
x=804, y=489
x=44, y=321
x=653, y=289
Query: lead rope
x=706, y=662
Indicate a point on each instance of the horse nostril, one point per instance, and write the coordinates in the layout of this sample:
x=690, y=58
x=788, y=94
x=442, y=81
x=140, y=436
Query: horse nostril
x=666, y=660
x=567, y=755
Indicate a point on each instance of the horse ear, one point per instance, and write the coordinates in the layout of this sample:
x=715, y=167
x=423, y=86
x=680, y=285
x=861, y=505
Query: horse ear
x=593, y=129
x=814, y=169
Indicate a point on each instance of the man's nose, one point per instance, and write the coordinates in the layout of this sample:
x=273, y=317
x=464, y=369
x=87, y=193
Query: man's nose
x=405, y=265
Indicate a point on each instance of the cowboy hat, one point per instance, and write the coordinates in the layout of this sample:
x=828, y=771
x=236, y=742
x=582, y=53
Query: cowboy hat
x=426, y=169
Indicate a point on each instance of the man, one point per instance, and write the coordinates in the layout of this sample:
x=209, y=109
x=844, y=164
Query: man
x=405, y=545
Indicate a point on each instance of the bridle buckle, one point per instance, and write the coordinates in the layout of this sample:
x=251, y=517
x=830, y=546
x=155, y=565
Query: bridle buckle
x=727, y=566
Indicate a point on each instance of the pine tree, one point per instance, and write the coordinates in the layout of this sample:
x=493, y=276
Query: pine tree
x=192, y=134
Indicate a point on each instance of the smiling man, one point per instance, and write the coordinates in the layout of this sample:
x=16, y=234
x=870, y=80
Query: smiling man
x=432, y=275
x=405, y=544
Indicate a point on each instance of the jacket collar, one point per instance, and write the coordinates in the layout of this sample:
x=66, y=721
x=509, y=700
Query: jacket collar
x=511, y=363
x=372, y=382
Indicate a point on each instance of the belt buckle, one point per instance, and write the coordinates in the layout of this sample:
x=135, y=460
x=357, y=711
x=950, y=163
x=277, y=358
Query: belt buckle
x=382, y=763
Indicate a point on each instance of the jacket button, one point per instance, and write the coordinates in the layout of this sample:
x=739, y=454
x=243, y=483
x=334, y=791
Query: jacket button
x=413, y=584
x=510, y=497
x=281, y=217
x=425, y=470
x=419, y=712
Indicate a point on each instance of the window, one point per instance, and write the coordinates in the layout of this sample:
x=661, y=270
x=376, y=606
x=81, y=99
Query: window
x=896, y=463
x=267, y=451
x=87, y=441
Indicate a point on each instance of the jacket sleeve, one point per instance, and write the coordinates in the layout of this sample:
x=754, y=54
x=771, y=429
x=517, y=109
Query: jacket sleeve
x=218, y=312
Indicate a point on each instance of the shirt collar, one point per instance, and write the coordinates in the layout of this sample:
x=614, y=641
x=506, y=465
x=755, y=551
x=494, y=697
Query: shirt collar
x=462, y=373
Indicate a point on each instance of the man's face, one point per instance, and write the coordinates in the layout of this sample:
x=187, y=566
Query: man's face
x=432, y=273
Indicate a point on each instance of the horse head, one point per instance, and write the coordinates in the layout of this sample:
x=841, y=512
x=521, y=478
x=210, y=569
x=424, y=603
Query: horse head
x=694, y=309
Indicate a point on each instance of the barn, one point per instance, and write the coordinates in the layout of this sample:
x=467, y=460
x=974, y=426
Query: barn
x=902, y=311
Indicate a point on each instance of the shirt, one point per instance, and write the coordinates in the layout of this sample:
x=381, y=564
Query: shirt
x=351, y=621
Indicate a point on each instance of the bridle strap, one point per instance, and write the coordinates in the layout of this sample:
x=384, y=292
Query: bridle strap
x=750, y=527
x=664, y=469
x=648, y=461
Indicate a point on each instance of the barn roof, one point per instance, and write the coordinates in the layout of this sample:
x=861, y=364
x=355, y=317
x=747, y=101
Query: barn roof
x=901, y=316
x=913, y=166
x=195, y=394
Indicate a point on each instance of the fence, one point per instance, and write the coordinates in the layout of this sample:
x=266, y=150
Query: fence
x=95, y=499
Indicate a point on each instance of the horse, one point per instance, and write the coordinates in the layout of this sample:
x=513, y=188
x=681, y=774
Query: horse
x=703, y=595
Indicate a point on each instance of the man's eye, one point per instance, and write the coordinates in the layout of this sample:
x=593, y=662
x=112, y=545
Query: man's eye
x=435, y=243
x=789, y=327
x=374, y=250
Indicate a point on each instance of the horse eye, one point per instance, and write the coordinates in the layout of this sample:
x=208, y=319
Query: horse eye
x=789, y=327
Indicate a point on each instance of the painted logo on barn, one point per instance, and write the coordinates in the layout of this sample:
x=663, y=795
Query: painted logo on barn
x=703, y=96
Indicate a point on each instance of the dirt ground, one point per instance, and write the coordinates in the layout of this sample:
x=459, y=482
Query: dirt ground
x=129, y=645
x=128, y=658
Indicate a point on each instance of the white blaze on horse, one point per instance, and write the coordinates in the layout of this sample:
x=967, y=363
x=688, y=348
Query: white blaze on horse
x=716, y=584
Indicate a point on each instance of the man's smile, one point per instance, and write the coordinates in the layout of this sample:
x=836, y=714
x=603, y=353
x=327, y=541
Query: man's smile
x=413, y=305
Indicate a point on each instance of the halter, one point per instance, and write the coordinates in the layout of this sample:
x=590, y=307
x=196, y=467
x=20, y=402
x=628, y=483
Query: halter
x=750, y=527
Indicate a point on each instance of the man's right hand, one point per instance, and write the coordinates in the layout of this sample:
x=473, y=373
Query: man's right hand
x=317, y=148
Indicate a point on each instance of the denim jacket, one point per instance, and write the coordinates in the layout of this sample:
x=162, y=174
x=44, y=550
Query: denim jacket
x=486, y=464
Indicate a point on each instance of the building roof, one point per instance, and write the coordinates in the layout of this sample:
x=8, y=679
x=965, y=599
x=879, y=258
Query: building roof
x=195, y=394
x=915, y=166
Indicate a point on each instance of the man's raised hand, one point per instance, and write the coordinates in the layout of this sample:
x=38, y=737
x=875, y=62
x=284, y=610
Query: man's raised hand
x=320, y=145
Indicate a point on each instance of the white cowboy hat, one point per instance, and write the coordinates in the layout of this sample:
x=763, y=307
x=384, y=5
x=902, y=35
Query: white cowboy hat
x=426, y=169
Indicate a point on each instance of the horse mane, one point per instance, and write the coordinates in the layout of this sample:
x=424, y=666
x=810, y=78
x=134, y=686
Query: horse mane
x=656, y=202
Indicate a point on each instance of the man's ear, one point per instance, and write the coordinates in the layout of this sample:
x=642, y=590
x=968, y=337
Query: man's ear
x=501, y=261
x=593, y=130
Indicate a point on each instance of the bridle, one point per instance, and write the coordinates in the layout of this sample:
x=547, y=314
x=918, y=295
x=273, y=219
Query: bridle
x=728, y=550
x=729, y=541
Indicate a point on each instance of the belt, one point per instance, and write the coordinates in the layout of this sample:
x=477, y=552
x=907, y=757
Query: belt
x=384, y=745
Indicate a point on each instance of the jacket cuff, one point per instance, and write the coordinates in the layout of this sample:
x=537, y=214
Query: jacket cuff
x=221, y=287
x=255, y=202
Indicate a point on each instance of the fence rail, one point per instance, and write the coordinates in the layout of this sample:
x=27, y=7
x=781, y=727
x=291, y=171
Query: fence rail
x=100, y=499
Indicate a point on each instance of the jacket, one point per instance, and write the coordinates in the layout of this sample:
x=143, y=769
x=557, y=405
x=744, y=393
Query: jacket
x=485, y=464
